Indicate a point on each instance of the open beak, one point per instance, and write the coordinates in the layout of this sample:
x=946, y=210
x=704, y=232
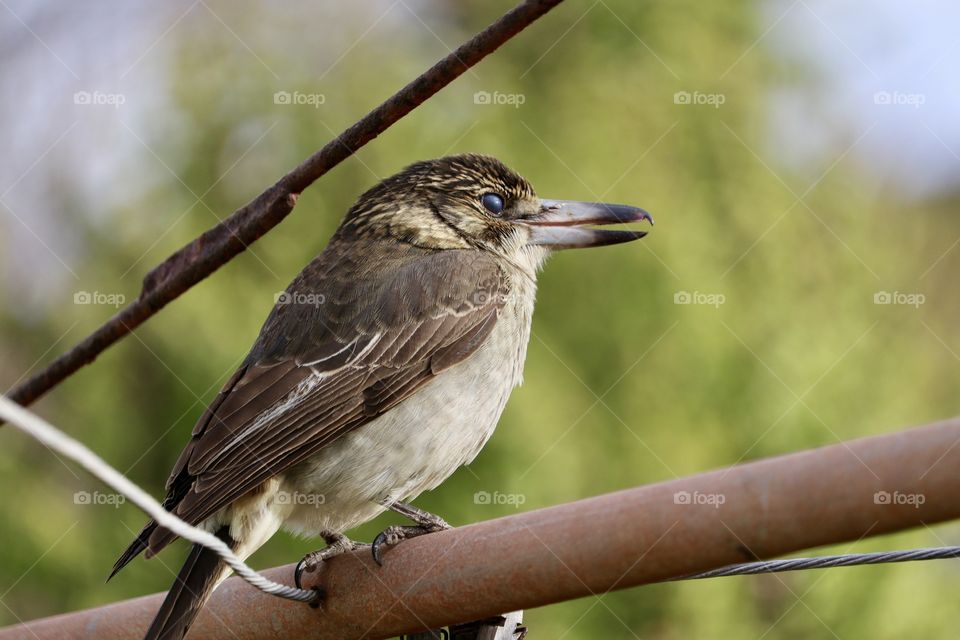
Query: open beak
x=561, y=224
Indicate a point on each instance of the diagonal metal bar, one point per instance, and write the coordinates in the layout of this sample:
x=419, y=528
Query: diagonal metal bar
x=220, y=244
x=647, y=534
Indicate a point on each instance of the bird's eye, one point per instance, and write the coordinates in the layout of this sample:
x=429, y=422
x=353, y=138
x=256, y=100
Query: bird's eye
x=492, y=203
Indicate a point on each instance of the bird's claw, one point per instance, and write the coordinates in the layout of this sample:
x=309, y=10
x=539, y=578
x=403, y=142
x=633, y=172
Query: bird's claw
x=336, y=544
x=305, y=565
x=395, y=533
x=389, y=537
x=308, y=564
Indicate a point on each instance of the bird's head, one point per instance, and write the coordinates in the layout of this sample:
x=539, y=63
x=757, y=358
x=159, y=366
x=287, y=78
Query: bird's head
x=474, y=201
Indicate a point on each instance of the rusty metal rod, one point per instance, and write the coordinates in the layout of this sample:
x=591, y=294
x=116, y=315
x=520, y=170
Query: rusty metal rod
x=220, y=244
x=757, y=510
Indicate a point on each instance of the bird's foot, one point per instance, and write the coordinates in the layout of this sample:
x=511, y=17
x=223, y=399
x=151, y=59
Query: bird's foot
x=395, y=533
x=337, y=543
x=426, y=523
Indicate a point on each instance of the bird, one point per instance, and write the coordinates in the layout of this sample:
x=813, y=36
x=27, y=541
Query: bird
x=382, y=368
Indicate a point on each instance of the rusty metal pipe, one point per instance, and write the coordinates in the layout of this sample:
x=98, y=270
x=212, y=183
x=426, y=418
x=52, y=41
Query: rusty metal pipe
x=614, y=541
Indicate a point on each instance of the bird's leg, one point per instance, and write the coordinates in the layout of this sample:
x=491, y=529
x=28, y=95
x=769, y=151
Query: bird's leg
x=426, y=523
x=337, y=543
x=418, y=515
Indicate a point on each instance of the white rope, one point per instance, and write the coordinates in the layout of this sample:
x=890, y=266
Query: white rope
x=36, y=427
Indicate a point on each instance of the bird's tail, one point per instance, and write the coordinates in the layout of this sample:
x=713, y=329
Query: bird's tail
x=200, y=575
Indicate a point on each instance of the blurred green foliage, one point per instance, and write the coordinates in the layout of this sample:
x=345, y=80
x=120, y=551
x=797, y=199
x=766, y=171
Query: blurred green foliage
x=623, y=385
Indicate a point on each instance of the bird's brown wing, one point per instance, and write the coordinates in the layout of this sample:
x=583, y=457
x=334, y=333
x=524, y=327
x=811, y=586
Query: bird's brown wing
x=376, y=333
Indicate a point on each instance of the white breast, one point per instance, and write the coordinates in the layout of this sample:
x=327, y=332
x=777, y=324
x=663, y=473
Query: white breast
x=419, y=443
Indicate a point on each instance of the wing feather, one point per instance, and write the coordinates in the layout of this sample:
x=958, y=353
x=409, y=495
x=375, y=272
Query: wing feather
x=388, y=328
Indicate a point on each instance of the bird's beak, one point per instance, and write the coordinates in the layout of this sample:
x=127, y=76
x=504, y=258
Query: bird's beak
x=560, y=224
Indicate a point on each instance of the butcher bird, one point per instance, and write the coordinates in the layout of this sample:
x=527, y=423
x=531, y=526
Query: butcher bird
x=381, y=369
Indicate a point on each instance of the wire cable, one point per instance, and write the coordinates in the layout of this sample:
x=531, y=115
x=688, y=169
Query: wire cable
x=41, y=430
x=825, y=562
